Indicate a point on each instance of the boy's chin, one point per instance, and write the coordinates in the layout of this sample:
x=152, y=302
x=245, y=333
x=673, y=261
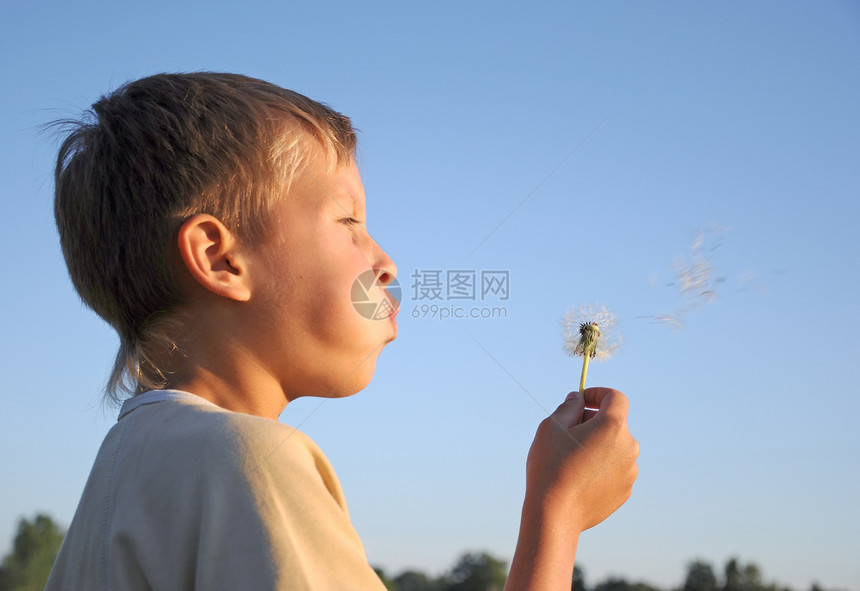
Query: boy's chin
x=355, y=382
x=343, y=382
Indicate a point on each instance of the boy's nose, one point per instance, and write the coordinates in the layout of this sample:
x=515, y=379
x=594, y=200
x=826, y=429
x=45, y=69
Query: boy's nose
x=385, y=274
x=386, y=270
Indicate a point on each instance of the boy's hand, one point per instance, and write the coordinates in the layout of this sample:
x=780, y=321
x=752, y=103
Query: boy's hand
x=582, y=463
x=580, y=469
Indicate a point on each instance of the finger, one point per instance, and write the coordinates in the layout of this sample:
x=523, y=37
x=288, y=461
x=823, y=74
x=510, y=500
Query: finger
x=569, y=412
x=594, y=396
x=609, y=401
x=588, y=414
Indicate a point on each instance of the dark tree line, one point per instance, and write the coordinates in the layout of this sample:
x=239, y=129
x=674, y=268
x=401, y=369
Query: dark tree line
x=482, y=572
x=37, y=542
x=472, y=571
x=27, y=566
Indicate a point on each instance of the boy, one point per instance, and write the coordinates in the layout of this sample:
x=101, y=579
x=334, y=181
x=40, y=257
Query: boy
x=217, y=223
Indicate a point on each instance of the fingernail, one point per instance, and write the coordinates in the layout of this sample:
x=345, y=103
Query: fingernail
x=571, y=395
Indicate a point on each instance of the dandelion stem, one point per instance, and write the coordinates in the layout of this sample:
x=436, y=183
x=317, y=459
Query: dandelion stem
x=585, y=359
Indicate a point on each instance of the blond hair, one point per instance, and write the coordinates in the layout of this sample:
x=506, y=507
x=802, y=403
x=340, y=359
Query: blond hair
x=149, y=156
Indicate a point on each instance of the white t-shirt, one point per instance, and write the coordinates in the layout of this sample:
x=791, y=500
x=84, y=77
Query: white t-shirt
x=186, y=495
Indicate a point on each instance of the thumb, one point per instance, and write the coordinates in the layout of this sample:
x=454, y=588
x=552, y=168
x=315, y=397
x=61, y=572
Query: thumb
x=569, y=413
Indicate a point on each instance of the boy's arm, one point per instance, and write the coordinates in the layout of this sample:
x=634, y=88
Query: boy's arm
x=579, y=471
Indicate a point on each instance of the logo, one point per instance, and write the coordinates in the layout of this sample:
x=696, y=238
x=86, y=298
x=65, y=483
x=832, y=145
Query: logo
x=373, y=300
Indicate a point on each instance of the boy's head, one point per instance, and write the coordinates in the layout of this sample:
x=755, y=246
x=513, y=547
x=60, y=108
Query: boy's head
x=152, y=155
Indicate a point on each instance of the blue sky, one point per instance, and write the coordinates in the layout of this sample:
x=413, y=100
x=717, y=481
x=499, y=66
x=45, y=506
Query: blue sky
x=614, y=143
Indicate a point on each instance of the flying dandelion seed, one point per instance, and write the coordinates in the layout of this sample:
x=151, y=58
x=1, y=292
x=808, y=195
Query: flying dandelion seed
x=668, y=319
x=695, y=278
x=589, y=333
x=696, y=281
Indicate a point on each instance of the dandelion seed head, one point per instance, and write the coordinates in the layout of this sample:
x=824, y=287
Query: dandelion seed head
x=590, y=331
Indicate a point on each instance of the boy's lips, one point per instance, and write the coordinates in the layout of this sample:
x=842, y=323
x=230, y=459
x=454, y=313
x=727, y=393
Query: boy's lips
x=393, y=318
x=393, y=304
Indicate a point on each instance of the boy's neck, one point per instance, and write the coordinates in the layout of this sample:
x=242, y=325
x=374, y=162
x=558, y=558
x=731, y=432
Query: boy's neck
x=237, y=391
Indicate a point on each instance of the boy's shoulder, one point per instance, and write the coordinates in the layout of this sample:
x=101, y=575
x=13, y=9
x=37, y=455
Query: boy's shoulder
x=170, y=443
x=178, y=425
x=180, y=482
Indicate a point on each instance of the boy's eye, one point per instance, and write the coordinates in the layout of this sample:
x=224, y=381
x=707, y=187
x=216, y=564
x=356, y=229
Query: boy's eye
x=350, y=221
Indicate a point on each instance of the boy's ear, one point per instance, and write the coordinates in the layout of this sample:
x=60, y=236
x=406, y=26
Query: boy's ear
x=211, y=254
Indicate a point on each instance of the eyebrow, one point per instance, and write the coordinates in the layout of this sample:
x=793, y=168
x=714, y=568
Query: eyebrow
x=338, y=201
x=346, y=203
x=342, y=203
